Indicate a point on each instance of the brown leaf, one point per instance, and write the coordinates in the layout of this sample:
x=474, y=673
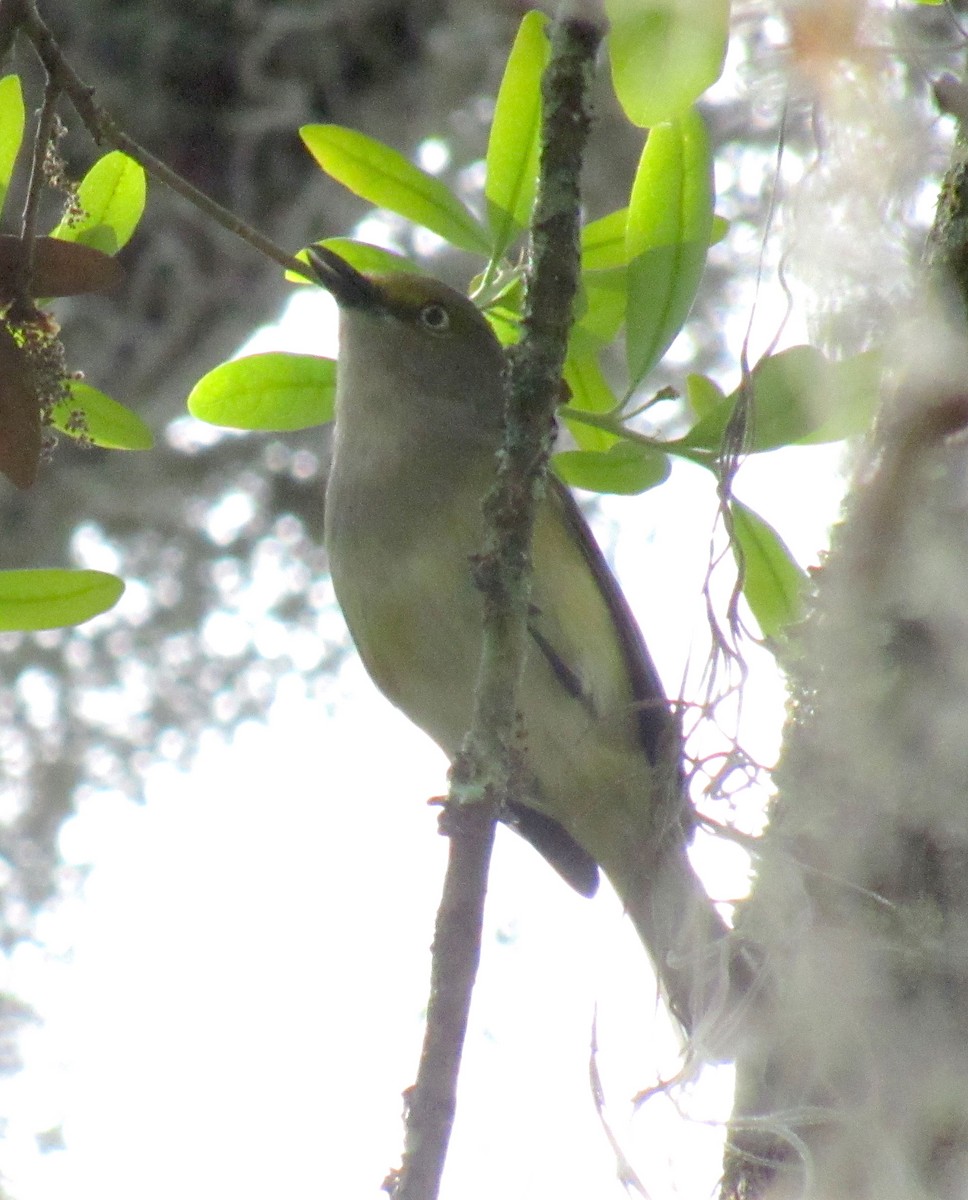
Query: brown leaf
x=60, y=268
x=20, y=435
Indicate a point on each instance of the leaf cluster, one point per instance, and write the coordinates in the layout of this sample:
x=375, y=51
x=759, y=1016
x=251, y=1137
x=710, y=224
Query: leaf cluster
x=37, y=394
x=641, y=270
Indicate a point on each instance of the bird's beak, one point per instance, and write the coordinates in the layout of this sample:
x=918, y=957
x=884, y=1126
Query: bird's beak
x=349, y=287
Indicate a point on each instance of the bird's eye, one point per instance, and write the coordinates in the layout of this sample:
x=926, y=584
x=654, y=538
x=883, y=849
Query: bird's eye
x=435, y=317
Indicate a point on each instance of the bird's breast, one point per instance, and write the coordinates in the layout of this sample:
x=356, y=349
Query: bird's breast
x=402, y=574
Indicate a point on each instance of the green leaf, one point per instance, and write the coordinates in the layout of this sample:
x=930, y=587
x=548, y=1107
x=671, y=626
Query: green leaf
x=667, y=236
x=626, y=469
x=363, y=255
x=112, y=195
x=387, y=179
x=773, y=582
x=102, y=421
x=704, y=395
x=275, y=392
x=11, y=129
x=512, y=148
x=664, y=54
x=603, y=242
x=590, y=393
x=605, y=297
x=49, y=599
x=848, y=402
x=798, y=397
x=504, y=289
x=506, y=323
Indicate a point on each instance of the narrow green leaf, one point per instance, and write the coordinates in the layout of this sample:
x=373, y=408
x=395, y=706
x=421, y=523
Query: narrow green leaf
x=774, y=584
x=50, y=599
x=603, y=242
x=512, y=148
x=501, y=300
x=664, y=54
x=590, y=393
x=112, y=195
x=387, y=179
x=275, y=392
x=363, y=255
x=667, y=236
x=604, y=294
x=91, y=416
x=506, y=323
x=625, y=470
x=799, y=397
x=505, y=289
x=12, y=118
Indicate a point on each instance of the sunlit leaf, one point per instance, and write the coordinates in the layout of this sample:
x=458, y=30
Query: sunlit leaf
x=664, y=54
x=92, y=416
x=275, y=392
x=112, y=195
x=512, y=148
x=362, y=255
x=506, y=323
x=603, y=242
x=387, y=179
x=505, y=290
x=11, y=129
x=50, y=599
x=501, y=300
x=773, y=582
x=625, y=469
x=590, y=393
x=667, y=236
x=604, y=295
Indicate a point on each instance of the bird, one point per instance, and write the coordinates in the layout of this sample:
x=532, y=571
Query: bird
x=418, y=424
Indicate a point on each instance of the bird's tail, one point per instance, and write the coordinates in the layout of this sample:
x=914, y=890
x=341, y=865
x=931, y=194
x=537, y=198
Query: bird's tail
x=700, y=965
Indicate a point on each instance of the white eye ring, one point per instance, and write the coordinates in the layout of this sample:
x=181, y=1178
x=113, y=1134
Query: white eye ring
x=435, y=318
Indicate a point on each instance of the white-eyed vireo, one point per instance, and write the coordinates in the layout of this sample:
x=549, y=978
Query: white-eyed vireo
x=419, y=407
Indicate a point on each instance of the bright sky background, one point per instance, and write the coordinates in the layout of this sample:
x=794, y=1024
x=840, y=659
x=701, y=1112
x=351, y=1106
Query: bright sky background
x=233, y=999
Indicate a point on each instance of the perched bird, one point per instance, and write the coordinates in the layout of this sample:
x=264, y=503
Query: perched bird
x=419, y=404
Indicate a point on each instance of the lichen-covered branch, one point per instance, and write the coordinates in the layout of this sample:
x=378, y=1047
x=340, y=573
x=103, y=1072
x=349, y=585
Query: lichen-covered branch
x=481, y=777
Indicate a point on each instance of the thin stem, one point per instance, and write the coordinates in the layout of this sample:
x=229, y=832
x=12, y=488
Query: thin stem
x=28, y=224
x=102, y=128
x=702, y=458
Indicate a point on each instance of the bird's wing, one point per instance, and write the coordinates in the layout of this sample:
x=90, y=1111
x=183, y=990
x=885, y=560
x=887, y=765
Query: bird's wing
x=582, y=625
